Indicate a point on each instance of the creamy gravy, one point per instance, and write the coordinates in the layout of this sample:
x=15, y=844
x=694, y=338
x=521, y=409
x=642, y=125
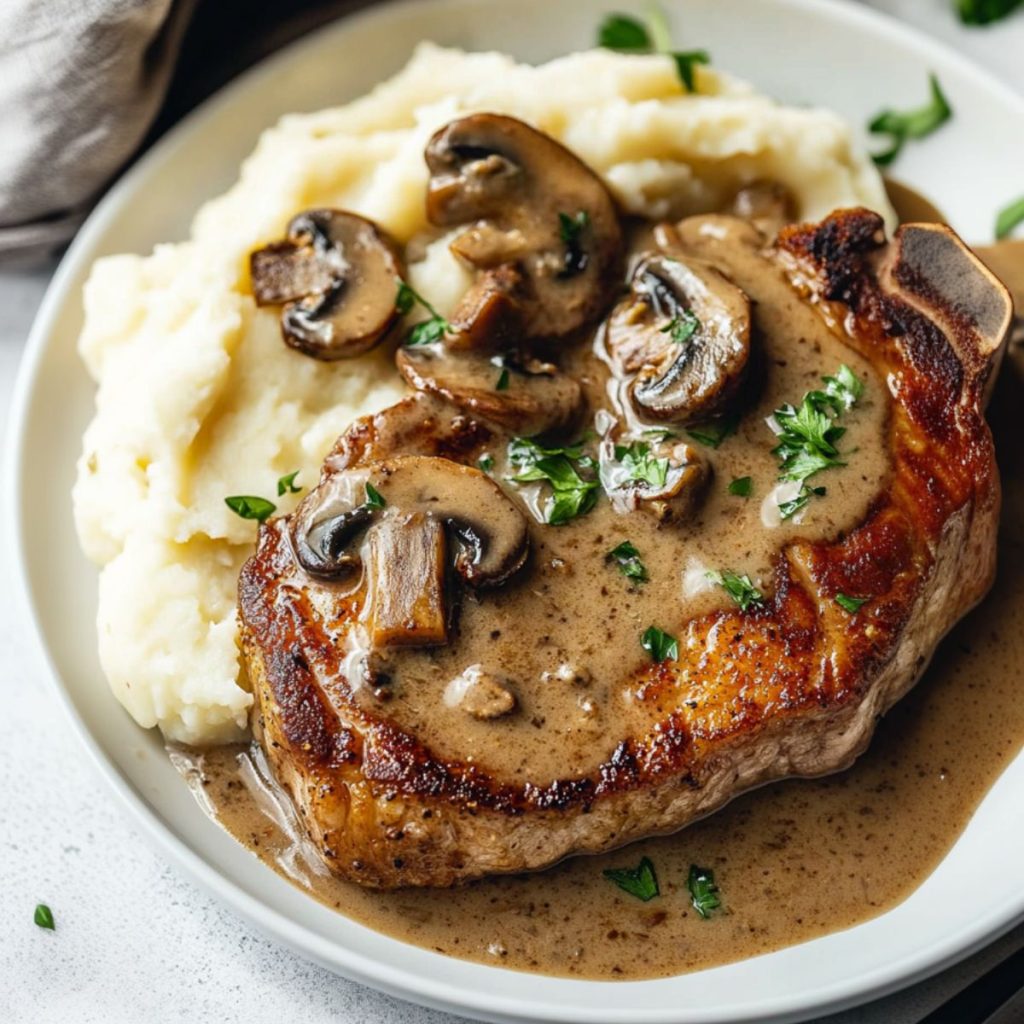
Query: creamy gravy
x=795, y=860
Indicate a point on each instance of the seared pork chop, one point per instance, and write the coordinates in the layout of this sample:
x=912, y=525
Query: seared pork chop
x=402, y=560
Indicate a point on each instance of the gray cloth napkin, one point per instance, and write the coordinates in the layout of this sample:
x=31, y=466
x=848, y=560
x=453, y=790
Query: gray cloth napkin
x=80, y=84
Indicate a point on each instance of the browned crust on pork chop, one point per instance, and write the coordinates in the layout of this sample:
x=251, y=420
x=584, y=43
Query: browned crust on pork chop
x=790, y=687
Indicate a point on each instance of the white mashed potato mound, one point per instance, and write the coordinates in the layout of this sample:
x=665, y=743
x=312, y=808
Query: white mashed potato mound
x=198, y=397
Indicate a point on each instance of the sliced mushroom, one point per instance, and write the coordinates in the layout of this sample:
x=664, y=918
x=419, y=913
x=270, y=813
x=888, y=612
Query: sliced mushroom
x=675, y=479
x=411, y=507
x=683, y=336
x=336, y=275
x=525, y=396
x=533, y=206
x=481, y=694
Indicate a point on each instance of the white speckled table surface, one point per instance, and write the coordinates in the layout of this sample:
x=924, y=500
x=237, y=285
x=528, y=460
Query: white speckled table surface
x=135, y=942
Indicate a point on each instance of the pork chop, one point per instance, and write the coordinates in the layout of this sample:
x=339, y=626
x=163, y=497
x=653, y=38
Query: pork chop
x=340, y=644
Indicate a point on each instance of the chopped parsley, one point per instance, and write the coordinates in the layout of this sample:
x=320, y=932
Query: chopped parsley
x=570, y=230
x=739, y=588
x=640, y=881
x=626, y=556
x=572, y=495
x=486, y=463
x=661, y=646
x=703, y=891
x=630, y=35
x=247, y=506
x=1009, y=217
x=808, y=435
x=682, y=327
x=426, y=332
x=374, y=499
x=850, y=604
x=713, y=432
x=44, y=916
x=742, y=487
x=502, y=382
x=984, y=12
x=286, y=484
x=641, y=465
x=901, y=125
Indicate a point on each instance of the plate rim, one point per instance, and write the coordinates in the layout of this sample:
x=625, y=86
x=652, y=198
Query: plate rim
x=924, y=962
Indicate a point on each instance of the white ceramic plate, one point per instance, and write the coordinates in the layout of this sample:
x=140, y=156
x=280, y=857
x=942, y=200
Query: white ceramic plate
x=801, y=51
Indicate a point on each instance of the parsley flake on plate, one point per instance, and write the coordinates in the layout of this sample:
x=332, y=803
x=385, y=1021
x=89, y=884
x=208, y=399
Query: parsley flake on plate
x=850, y=604
x=627, y=557
x=1009, y=217
x=287, y=485
x=739, y=588
x=901, y=125
x=374, y=499
x=703, y=891
x=682, y=327
x=248, y=506
x=428, y=331
x=742, y=486
x=572, y=494
x=44, y=917
x=661, y=646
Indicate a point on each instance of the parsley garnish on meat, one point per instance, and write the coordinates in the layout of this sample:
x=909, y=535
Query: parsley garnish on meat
x=486, y=463
x=742, y=487
x=287, y=485
x=1009, y=217
x=572, y=495
x=740, y=588
x=901, y=125
x=640, y=464
x=850, y=604
x=629, y=35
x=374, y=499
x=661, y=646
x=713, y=432
x=502, y=382
x=570, y=230
x=808, y=435
x=640, y=881
x=627, y=557
x=248, y=506
x=44, y=916
x=984, y=12
x=703, y=891
x=426, y=332
x=682, y=327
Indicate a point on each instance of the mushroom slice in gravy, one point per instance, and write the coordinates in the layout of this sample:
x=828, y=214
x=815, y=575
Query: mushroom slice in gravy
x=767, y=205
x=335, y=275
x=683, y=335
x=661, y=477
x=410, y=507
x=525, y=396
x=531, y=205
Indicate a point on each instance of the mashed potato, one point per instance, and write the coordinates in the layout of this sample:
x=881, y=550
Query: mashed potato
x=199, y=398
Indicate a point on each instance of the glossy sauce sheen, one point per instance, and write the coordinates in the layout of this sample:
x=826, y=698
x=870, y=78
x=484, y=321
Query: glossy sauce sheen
x=794, y=860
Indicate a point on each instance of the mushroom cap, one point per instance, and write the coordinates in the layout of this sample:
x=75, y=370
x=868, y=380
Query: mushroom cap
x=488, y=529
x=532, y=204
x=680, y=381
x=336, y=275
x=533, y=402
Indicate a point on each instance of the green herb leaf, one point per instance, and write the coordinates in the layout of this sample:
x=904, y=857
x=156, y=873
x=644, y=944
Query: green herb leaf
x=641, y=465
x=1009, y=217
x=486, y=463
x=788, y=509
x=703, y=891
x=44, y=917
x=502, y=384
x=250, y=507
x=661, y=646
x=626, y=556
x=739, y=588
x=286, y=484
x=621, y=32
x=427, y=331
x=640, y=881
x=686, y=60
x=570, y=230
x=984, y=12
x=742, y=487
x=713, y=432
x=374, y=499
x=850, y=604
x=571, y=494
x=910, y=124
x=682, y=327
